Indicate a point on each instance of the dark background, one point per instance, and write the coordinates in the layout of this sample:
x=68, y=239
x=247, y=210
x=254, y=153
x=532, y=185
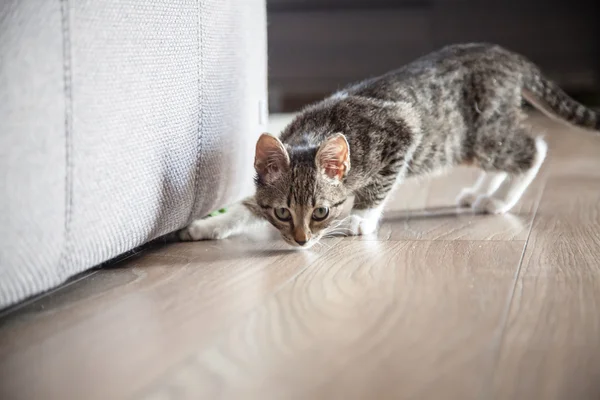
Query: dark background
x=318, y=46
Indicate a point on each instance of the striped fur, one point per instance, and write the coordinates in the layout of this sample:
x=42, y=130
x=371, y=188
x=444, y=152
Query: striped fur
x=460, y=105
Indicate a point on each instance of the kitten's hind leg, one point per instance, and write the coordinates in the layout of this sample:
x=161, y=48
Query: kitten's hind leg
x=487, y=183
x=237, y=219
x=511, y=190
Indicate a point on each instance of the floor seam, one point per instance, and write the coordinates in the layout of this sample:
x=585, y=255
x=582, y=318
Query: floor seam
x=443, y=240
x=499, y=337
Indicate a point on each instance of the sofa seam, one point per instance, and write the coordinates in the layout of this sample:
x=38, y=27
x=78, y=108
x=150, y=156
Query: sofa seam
x=195, y=196
x=68, y=124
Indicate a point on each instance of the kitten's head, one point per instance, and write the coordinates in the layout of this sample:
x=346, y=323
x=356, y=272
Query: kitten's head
x=301, y=190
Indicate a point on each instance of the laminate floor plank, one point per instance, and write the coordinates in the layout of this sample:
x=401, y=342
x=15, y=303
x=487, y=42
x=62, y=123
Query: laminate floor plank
x=126, y=325
x=551, y=344
x=409, y=319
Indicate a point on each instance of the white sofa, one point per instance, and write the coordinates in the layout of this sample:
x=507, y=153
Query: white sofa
x=120, y=122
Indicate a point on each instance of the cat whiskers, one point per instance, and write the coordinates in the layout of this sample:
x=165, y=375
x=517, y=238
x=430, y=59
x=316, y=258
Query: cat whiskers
x=338, y=232
x=336, y=229
x=318, y=242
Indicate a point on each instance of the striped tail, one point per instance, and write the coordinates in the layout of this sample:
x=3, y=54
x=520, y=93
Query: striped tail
x=553, y=101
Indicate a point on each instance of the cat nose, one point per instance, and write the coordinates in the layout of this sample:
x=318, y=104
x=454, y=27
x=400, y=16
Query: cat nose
x=301, y=236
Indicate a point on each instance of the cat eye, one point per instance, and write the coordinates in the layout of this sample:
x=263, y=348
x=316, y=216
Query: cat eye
x=283, y=214
x=320, y=213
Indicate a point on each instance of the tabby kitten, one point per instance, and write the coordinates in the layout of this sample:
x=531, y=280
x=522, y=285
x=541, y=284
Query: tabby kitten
x=458, y=106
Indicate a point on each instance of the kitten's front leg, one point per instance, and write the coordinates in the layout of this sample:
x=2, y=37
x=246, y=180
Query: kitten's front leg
x=364, y=221
x=237, y=219
x=368, y=208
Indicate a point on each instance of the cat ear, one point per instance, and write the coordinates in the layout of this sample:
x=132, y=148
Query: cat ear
x=271, y=157
x=333, y=157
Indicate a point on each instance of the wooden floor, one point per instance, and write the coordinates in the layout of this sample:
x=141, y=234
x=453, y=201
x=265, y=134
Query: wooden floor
x=439, y=304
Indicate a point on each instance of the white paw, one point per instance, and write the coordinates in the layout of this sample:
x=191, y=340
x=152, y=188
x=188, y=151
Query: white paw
x=203, y=229
x=466, y=198
x=490, y=205
x=362, y=226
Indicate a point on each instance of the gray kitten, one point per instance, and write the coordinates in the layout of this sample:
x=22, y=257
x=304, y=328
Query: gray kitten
x=461, y=105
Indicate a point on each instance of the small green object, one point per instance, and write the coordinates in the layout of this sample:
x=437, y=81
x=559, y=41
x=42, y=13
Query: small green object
x=215, y=213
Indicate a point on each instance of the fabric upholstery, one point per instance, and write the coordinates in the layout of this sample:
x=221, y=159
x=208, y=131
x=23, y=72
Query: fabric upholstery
x=120, y=121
